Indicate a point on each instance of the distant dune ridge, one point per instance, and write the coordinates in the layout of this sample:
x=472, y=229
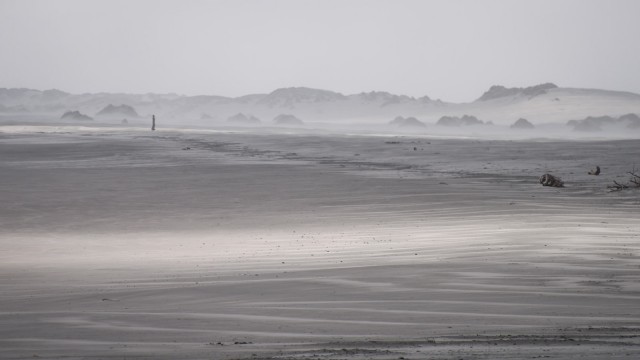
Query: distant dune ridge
x=546, y=103
x=498, y=91
x=117, y=111
x=400, y=121
x=596, y=123
x=385, y=99
x=243, y=119
x=75, y=115
x=522, y=123
x=290, y=97
x=465, y=120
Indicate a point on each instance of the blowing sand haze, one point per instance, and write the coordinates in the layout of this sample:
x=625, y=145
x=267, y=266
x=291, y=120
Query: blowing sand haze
x=118, y=243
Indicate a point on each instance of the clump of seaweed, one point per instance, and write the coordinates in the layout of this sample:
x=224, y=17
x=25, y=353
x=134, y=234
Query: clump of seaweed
x=550, y=180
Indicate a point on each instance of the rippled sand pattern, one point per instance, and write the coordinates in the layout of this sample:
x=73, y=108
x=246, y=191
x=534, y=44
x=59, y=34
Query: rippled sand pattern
x=120, y=244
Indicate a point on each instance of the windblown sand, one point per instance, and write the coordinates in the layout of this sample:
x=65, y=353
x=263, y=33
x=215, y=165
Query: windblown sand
x=120, y=244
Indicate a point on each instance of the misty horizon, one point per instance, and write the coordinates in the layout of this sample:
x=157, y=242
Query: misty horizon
x=449, y=50
x=541, y=104
x=324, y=89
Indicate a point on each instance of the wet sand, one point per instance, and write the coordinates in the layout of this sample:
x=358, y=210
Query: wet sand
x=124, y=244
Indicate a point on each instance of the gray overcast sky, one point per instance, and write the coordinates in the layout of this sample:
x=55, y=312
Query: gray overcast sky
x=452, y=50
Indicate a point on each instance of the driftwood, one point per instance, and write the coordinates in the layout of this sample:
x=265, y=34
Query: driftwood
x=635, y=178
x=595, y=171
x=550, y=180
x=634, y=182
x=616, y=186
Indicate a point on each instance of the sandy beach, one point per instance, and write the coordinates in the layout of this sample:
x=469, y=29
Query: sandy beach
x=193, y=244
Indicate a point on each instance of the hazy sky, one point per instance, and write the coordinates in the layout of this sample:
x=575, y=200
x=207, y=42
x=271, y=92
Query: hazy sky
x=452, y=50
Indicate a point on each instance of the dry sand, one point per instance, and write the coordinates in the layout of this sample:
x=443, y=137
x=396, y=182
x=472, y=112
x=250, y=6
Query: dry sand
x=120, y=244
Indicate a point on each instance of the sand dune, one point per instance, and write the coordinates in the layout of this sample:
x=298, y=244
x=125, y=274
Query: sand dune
x=121, y=244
